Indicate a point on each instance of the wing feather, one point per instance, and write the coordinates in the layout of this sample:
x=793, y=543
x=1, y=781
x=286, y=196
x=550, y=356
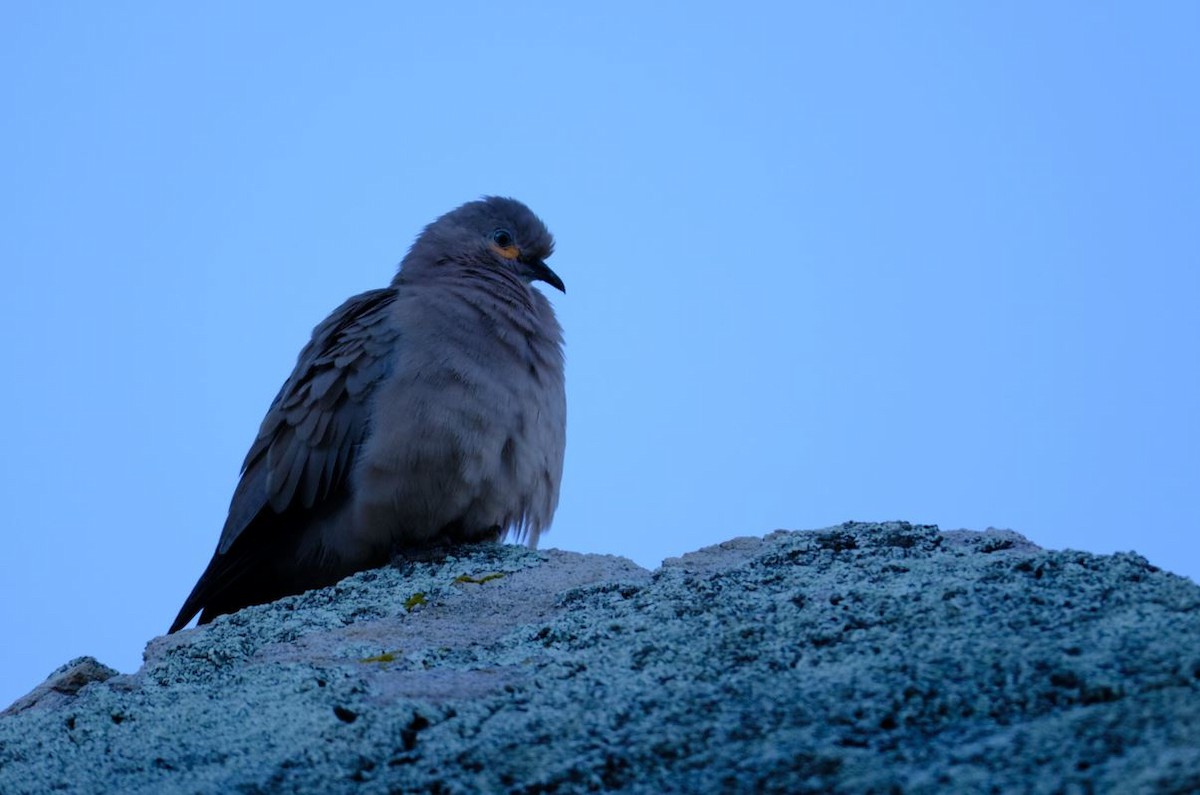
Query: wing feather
x=302, y=456
x=316, y=420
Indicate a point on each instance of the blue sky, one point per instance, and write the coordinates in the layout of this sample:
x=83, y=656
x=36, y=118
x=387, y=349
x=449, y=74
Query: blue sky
x=935, y=262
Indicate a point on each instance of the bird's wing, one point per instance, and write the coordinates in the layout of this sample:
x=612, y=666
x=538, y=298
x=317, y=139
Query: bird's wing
x=307, y=441
x=303, y=454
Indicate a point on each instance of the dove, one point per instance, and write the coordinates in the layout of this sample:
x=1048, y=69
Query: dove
x=426, y=413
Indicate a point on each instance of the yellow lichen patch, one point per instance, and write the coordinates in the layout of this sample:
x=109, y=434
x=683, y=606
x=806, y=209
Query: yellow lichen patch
x=387, y=656
x=416, y=599
x=478, y=580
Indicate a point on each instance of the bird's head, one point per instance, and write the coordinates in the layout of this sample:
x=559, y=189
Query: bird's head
x=494, y=233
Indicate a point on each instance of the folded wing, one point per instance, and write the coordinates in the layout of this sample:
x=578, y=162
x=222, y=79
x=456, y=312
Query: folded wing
x=299, y=464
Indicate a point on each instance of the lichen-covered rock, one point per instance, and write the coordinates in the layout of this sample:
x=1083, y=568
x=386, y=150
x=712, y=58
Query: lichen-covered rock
x=862, y=658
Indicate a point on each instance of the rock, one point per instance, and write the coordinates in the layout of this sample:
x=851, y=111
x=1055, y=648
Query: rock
x=865, y=657
x=63, y=685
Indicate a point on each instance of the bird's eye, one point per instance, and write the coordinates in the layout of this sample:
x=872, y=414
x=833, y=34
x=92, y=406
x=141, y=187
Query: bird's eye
x=502, y=238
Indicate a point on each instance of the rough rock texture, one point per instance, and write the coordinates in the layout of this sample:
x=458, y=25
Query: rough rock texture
x=862, y=658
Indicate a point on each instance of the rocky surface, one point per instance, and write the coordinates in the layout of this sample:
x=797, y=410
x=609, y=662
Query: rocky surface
x=862, y=658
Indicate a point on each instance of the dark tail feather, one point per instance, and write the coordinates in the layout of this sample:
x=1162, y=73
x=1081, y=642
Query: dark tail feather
x=191, y=605
x=219, y=585
x=251, y=572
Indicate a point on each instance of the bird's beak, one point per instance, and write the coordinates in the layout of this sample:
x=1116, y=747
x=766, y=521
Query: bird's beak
x=538, y=271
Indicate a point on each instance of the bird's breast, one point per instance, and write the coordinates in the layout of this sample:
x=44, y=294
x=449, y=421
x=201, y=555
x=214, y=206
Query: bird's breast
x=467, y=431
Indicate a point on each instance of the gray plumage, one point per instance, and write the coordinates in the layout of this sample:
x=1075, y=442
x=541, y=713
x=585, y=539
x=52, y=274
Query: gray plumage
x=431, y=411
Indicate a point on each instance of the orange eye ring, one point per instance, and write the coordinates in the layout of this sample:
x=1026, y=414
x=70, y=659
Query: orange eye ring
x=504, y=245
